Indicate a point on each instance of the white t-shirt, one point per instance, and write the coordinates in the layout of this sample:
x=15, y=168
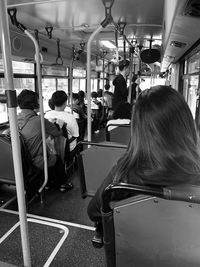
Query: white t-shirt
x=69, y=119
x=68, y=110
x=117, y=121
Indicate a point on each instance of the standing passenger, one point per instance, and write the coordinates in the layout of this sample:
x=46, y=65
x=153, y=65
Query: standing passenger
x=121, y=91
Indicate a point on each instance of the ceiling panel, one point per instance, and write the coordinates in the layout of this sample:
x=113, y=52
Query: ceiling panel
x=69, y=17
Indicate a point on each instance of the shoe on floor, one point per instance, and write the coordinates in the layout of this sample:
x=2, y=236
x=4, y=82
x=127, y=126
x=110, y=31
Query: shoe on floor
x=66, y=187
x=97, y=240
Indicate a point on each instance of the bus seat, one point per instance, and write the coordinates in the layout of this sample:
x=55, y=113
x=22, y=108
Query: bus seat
x=121, y=134
x=95, y=162
x=152, y=231
x=32, y=176
x=6, y=161
x=62, y=147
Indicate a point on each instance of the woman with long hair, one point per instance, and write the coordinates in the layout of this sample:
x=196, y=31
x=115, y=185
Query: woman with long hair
x=164, y=147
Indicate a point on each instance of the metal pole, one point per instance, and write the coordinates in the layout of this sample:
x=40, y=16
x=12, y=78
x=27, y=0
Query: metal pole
x=70, y=83
x=39, y=80
x=103, y=84
x=12, y=113
x=89, y=43
x=130, y=78
x=117, y=51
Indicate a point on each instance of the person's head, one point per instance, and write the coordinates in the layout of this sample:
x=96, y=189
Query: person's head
x=123, y=111
x=124, y=66
x=100, y=92
x=81, y=95
x=59, y=99
x=94, y=95
x=28, y=99
x=75, y=98
x=164, y=140
x=107, y=87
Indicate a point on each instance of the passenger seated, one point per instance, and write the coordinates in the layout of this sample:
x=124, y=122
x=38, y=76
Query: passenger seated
x=59, y=101
x=122, y=115
x=30, y=127
x=82, y=120
x=163, y=151
x=81, y=95
x=96, y=108
x=108, y=98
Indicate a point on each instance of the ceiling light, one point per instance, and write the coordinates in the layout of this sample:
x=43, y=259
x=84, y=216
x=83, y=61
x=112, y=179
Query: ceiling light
x=108, y=44
x=85, y=25
x=177, y=44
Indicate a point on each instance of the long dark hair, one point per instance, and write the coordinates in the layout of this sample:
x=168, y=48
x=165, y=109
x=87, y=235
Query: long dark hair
x=164, y=141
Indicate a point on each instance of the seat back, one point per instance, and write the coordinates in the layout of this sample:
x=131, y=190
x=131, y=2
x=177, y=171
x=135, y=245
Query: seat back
x=94, y=164
x=121, y=134
x=32, y=176
x=151, y=231
x=6, y=161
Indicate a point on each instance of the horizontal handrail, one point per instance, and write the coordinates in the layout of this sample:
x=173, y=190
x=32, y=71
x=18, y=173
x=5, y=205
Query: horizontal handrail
x=187, y=193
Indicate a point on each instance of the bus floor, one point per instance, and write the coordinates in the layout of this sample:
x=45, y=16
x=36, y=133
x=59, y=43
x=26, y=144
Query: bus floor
x=60, y=214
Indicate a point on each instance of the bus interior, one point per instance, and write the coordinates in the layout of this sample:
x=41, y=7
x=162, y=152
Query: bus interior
x=80, y=44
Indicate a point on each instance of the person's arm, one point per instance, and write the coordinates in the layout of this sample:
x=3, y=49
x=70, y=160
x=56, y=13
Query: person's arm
x=94, y=207
x=51, y=129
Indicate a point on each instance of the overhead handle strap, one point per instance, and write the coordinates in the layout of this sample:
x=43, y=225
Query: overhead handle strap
x=37, y=37
x=108, y=17
x=59, y=60
x=12, y=12
x=49, y=31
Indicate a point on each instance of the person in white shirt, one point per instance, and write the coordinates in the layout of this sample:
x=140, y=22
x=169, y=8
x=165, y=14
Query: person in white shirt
x=59, y=101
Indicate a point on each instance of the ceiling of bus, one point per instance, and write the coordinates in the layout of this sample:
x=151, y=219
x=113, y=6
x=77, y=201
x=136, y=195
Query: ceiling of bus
x=73, y=21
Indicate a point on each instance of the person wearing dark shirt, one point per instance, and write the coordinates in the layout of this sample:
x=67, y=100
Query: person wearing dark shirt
x=164, y=147
x=80, y=110
x=121, y=91
x=30, y=127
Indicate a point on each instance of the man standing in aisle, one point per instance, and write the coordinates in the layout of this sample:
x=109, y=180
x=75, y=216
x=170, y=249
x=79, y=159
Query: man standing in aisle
x=121, y=91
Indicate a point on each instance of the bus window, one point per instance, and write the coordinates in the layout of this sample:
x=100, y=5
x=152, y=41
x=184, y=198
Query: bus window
x=75, y=85
x=23, y=67
x=94, y=84
x=62, y=84
x=48, y=88
x=185, y=89
x=83, y=84
x=24, y=83
x=3, y=113
x=192, y=93
x=78, y=84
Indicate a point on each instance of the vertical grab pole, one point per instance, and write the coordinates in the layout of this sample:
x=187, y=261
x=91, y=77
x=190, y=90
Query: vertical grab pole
x=39, y=79
x=117, y=51
x=16, y=151
x=89, y=43
x=108, y=19
x=104, y=54
x=70, y=83
x=132, y=49
x=130, y=78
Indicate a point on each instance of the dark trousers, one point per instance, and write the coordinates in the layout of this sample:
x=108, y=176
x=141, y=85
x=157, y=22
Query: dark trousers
x=57, y=175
